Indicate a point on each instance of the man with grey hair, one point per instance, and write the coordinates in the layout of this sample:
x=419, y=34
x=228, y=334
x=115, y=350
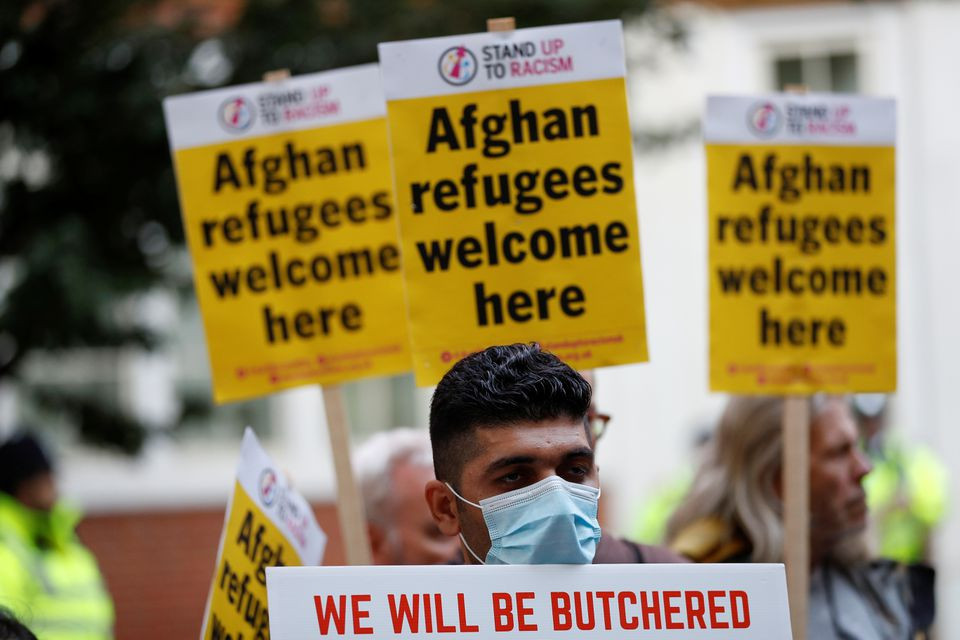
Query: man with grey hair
x=733, y=514
x=393, y=468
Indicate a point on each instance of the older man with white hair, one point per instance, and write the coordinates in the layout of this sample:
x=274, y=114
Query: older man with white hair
x=733, y=513
x=392, y=468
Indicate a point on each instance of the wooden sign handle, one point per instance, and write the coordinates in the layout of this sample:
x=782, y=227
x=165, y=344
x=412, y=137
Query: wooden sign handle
x=796, y=494
x=353, y=523
x=796, y=515
x=501, y=24
x=277, y=75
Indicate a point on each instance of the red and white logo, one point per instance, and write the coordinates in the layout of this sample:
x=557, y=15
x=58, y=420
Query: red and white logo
x=458, y=65
x=764, y=119
x=269, y=486
x=237, y=114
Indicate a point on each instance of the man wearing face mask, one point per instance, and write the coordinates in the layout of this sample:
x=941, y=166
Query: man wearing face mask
x=516, y=478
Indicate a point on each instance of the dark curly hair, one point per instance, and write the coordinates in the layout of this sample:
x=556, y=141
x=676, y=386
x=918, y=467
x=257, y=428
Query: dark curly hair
x=501, y=385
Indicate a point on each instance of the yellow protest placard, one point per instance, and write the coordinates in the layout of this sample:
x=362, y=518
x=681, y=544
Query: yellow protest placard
x=267, y=525
x=288, y=212
x=512, y=160
x=802, y=248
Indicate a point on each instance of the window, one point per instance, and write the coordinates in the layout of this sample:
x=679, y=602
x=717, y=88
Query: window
x=379, y=404
x=830, y=72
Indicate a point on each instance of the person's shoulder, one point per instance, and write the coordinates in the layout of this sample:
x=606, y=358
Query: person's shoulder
x=711, y=540
x=16, y=573
x=915, y=583
x=901, y=595
x=612, y=550
x=659, y=554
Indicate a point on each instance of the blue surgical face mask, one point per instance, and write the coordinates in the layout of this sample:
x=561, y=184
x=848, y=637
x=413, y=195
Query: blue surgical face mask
x=550, y=522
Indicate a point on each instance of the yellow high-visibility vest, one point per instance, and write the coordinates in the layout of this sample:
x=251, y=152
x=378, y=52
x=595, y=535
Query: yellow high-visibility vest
x=48, y=579
x=907, y=496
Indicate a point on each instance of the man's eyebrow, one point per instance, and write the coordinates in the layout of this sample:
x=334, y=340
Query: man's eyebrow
x=581, y=452
x=509, y=462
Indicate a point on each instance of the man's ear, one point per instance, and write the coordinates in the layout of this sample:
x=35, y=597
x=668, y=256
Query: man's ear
x=443, y=507
x=378, y=541
x=778, y=484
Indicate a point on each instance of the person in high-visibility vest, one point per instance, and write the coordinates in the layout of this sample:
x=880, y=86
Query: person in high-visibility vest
x=907, y=490
x=48, y=579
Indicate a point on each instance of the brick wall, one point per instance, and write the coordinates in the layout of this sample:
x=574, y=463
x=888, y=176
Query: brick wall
x=158, y=566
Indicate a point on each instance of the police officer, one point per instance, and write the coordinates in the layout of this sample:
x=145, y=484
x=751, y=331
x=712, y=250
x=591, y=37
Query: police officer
x=47, y=577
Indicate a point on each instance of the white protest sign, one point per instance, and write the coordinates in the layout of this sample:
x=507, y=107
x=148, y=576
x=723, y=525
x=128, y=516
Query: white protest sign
x=545, y=602
x=267, y=524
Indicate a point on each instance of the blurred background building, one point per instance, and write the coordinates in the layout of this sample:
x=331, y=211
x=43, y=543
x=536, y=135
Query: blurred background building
x=155, y=511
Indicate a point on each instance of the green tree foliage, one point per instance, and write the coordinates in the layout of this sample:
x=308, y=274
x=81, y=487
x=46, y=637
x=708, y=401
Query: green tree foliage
x=88, y=212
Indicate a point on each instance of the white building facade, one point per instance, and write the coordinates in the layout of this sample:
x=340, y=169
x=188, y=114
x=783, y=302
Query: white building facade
x=908, y=50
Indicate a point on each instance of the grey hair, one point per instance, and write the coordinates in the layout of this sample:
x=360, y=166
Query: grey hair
x=376, y=459
x=737, y=479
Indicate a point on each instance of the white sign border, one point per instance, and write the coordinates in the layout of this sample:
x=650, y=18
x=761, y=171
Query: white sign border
x=194, y=119
x=293, y=616
x=410, y=68
x=729, y=120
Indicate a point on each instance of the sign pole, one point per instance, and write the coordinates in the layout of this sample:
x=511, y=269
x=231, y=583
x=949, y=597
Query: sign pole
x=353, y=523
x=796, y=494
x=796, y=517
x=501, y=24
x=277, y=75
